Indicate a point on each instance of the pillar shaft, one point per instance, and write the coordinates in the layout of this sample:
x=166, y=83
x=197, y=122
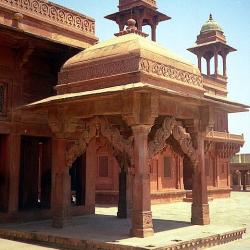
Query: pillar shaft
x=199, y=62
x=244, y=180
x=122, y=203
x=208, y=66
x=153, y=32
x=13, y=159
x=224, y=65
x=200, y=207
x=142, y=225
x=61, y=185
x=216, y=63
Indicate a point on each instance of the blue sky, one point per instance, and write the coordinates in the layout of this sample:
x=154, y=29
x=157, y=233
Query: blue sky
x=180, y=33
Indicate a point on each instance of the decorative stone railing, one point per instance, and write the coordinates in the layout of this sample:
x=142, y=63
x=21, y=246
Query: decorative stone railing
x=224, y=136
x=52, y=13
x=124, y=3
x=151, y=2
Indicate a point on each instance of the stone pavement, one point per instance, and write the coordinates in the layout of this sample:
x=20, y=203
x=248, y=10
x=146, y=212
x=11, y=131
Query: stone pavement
x=13, y=245
x=226, y=215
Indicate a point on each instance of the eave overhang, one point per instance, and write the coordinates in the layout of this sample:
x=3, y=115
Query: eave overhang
x=139, y=86
x=196, y=48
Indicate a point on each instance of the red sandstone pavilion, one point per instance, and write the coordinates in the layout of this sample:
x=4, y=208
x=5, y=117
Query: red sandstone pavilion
x=123, y=120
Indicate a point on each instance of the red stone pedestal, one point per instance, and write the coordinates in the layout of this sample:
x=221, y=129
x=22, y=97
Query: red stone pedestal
x=200, y=214
x=142, y=224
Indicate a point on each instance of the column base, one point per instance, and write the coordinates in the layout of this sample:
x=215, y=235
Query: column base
x=122, y=214
x=142, y=233
x=142, y=224
x=61, y=222
x=200, y=214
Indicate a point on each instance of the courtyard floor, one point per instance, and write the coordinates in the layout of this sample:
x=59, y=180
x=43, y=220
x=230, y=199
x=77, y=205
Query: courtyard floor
x=171, y=223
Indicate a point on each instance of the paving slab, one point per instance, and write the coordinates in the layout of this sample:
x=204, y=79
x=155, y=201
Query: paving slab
x=171, y=224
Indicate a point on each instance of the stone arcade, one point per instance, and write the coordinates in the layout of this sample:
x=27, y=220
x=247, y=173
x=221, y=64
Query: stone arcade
x=127, y=98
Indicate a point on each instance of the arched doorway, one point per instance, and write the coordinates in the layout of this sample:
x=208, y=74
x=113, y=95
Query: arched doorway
x=35, y=173
x=78, y=181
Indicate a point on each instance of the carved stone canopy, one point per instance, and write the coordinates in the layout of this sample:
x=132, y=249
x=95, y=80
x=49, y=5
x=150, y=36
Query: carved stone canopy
x=123, y=55
x=94, y=128
x=170, y=126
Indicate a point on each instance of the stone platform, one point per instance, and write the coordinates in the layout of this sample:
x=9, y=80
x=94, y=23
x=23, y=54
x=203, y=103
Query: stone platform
x=173, y=230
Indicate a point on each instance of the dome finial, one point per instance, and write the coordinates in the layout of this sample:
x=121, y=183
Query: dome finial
x=131, y=28
x=210, y=17
x=131, y=24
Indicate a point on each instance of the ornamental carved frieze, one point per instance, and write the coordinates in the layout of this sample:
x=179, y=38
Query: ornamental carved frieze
x=53, y=13
x=128, y=65
x=171, y=127
x=99, y=70
x=143, y=218
x=95, y=128
x=171, y=73
x=61, y=124
x=227, y=149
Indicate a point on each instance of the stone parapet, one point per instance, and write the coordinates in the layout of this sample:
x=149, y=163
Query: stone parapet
x=48, y=20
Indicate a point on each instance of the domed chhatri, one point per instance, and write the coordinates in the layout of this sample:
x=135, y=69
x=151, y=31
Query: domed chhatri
x=211, y=25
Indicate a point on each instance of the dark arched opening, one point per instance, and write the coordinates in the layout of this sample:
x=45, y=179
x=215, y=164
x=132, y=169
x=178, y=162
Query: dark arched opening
x=187, y=173
x=78, y=181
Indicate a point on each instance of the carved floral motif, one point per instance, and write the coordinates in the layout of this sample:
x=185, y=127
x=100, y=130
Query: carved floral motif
x=170, y=72
x=53, y=13
x=95, y=128
x=129, y=65
x=171, y=127
x=98, y=71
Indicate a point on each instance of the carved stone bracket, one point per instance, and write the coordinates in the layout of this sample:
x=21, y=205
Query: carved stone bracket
x=95, y=128
x=227, y=150
x=171, y=127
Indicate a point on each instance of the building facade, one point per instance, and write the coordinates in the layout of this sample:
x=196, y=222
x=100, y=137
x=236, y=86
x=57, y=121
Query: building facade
x=124, y=120
x=240, y=172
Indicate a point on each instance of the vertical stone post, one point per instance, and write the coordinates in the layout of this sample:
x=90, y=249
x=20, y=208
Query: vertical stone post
x=61, y=190
x=248, y=178
x=238, y=179
x=91, y=168
x=244, y=180
x=224, y=58
x=122, y=203
x=13, y=159
x=129, y=191
x=153, y=32
x=142, y=225
x=200, y=207
x=199, y=62
x=208, y=66
x=216, y=63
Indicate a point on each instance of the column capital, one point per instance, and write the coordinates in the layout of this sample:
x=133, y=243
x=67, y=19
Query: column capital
x=141, y=128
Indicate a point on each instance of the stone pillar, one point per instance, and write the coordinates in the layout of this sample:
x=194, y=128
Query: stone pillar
x=13, y=159
x=122, y=203
x=216, y=63
x=91, y=169
x=224, y=58
x=199, y=62
x=142, y=225
x=61, y=185
x=153, y=32
x=129, y=192
x=244, y=180
x=248, y=178
x=200, y=207
x=239, y=179
x=208, y=66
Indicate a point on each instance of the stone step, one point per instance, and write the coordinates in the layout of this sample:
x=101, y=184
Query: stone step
x=73, y=243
